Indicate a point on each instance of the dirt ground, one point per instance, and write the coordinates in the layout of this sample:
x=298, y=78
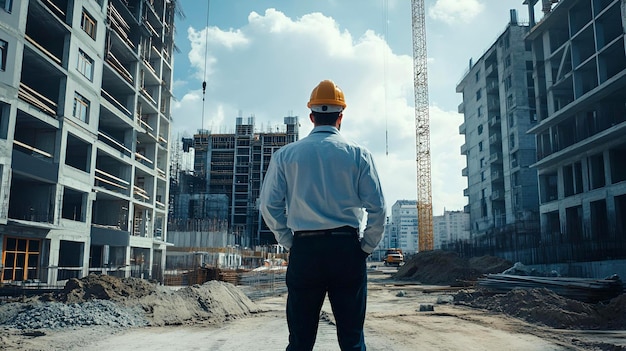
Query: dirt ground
x=408, y=309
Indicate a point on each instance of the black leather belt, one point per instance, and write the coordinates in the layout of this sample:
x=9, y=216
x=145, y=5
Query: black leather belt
x=341, y=231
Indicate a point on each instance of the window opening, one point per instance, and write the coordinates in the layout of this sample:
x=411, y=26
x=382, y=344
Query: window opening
x=85, y=65
x=88, y=24
x=81, y=108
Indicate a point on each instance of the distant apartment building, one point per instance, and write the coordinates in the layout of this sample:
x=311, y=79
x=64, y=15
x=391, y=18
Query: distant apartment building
x=580, y=83
x=390, y=237
x=234, y=165
x=85, y=89
x=403, y=226
x=499, y=108
x=450, y=228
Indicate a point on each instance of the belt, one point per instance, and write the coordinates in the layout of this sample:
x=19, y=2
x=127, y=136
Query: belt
x=341, y=231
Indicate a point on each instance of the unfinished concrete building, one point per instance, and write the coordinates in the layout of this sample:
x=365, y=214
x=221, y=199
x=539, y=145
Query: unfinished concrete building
x=580, y=83
x=85, y=89
x=498, y=108
x=234, y=165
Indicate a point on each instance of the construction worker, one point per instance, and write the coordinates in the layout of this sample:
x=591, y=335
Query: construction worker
x=312, y=199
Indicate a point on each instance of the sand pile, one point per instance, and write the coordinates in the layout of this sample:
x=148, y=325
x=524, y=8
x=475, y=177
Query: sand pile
x=439, y=267
x=543, y=306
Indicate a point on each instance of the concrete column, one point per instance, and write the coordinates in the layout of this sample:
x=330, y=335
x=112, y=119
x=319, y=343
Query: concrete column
x=53, y=259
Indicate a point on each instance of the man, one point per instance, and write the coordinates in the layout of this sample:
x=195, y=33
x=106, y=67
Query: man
x=312, y=199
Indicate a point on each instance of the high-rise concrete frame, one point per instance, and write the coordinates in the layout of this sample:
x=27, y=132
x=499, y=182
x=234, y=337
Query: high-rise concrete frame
x=85, y=90
x=580, y=78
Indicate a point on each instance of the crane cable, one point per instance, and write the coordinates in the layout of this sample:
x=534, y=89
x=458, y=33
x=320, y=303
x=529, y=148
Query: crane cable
x=206, y=54
x=386, y=35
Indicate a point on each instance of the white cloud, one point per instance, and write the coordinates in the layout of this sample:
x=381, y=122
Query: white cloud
x=451, y=11
x=268, y=68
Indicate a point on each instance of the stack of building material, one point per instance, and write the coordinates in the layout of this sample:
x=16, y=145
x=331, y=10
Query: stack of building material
x=582, y=289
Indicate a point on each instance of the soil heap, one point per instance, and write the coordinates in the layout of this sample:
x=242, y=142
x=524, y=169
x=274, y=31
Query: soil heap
x=543, y=306
x=439, y=267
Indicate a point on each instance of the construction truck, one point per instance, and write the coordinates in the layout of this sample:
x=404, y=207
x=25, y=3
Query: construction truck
x=393, y=257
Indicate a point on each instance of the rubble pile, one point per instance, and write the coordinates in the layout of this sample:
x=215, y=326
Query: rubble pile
x=127, y=302
x=57, y=315
x=439, y=267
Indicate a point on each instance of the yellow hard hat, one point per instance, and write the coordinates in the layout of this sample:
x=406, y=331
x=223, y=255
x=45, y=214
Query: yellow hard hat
x=327, y=97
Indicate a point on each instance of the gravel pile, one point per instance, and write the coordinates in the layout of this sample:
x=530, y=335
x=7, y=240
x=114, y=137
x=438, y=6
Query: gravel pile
x=57, y=315
x=99, y=300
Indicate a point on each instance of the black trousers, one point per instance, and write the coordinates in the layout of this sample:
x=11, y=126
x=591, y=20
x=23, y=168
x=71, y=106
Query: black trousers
x=321, y=264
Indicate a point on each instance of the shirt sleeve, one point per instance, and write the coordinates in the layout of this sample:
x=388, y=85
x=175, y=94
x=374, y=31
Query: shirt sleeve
x=371, y=195
x=273, y=204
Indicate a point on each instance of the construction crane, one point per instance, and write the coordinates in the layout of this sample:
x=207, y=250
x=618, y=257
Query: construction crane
x=422, y=128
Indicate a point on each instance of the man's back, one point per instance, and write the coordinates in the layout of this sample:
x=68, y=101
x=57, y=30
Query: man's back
x=321, y=173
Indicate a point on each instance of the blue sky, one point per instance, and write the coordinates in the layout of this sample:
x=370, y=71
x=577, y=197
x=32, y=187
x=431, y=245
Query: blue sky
x=265, y=56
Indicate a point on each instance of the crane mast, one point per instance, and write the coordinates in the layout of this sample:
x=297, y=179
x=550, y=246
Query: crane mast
x=422, y=128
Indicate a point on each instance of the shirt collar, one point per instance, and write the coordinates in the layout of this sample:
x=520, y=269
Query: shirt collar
x=325, y=129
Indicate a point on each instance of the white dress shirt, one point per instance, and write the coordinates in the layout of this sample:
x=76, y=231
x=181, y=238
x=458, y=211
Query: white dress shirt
x=320, y=182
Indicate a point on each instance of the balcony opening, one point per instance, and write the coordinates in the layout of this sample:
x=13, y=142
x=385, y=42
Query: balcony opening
x=112, y=174
x=599, y=220
x=114, y=132
x=70, y=259
x=78, y=153
x=40, y=83
x=549, y=188
x=617, y=164
x=34, y=137
x=142, y=222
x=140, y=263
x=620, y=216
x=553, y=226
x=47, y=36
x=572, y=179
x=31, y=200
x=596, y=171
x=574, y=223
x=96, y=256
x=110, y=212
x=73, y=207
x=107, y=259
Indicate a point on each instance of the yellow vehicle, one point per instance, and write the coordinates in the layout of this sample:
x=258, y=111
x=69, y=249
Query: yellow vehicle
x=393, y=257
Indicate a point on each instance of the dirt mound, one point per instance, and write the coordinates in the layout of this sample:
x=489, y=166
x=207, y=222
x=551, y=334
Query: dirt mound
x=489, y=264
x=105, y=287
x=543, y=306
x=447, y=268
x=211, y=302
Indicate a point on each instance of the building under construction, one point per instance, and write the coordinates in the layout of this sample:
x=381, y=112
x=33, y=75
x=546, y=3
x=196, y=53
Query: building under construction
x=234, y=165
x=85, y=90
x=499, y=108
x=579, y=62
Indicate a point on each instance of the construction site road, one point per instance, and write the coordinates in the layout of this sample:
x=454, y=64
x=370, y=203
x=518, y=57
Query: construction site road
x=394, y=322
